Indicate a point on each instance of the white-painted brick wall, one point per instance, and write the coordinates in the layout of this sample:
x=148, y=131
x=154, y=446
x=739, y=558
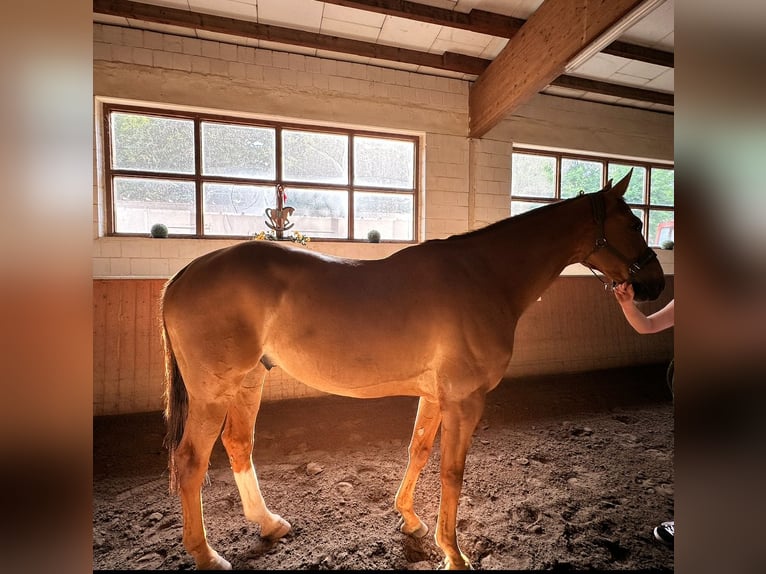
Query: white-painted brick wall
x=141, y=267
x=210, y=49
x=200, y=65
x=228, y=52
x=191, y=46
x=281, y=59
x=102, y=51
x=122, y=54
x=172, y=43
x=246, y=55
x=153, y=40
x=219, y=67
x=142, y=56
x=162, y=59
x=111, y=34
x=133, y=37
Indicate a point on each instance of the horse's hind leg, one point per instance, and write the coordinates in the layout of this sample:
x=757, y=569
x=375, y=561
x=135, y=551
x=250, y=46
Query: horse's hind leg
x=238, y=438
x=203, y=426
x=423, y=435
x=459, y=422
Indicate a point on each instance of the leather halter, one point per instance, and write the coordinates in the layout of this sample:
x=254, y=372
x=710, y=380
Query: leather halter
x=599, y=216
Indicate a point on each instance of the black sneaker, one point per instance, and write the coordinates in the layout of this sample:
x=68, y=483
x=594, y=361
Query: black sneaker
x=664, y=533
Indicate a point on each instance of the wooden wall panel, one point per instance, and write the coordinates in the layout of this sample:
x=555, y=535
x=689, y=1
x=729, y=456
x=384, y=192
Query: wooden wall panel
x=576, y=327
x=127, y=352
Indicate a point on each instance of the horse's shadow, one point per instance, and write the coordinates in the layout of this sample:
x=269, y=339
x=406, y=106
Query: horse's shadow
x=261, y=546
x=416, y=550
x=419, y=549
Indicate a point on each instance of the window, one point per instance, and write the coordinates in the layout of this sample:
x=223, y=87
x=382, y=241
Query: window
x=212, y=176
x=539, y=178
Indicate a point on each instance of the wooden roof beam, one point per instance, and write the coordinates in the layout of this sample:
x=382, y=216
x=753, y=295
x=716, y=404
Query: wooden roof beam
x=476, y=20
x=555, y=36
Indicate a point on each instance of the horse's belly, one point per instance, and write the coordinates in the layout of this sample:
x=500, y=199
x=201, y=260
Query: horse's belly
x=361, y=374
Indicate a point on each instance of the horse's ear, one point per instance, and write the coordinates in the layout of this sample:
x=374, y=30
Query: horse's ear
x=608, y=185
x=622, y=185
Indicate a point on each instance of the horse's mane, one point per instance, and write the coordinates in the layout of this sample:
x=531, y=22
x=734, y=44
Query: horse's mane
x=487, y=229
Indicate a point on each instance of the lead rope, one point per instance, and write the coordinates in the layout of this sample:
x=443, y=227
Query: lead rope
x=607, y=286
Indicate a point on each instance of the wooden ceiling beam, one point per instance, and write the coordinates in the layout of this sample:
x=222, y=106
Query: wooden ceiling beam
x=476, y=20
x=557, y=32
x=618, y=90
x=490, y=23
x=641, y=53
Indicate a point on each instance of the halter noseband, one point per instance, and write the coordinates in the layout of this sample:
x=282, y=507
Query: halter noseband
x=599, y=215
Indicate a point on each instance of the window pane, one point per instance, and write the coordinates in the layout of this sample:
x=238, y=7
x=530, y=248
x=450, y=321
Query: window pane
x=147, y=143
x=661, y=227
x=315, y=157
x=578, y=175
x=390, y=213
x=236, y=209
x=662, y=190
x=533, y=175
x=635, y=193
x=140, y=203
x=319, y=213
x=384, y=163
x=238, y=151
x=519, y=207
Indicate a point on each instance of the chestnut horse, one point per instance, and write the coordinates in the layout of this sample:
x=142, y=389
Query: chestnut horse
x=435, y=320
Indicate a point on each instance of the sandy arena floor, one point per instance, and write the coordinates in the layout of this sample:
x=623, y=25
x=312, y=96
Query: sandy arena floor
x=565, y=473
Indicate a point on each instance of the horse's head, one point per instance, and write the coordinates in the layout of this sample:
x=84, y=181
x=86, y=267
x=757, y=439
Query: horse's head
x=620, y=251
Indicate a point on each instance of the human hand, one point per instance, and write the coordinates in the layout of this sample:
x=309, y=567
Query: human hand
x=624, y=293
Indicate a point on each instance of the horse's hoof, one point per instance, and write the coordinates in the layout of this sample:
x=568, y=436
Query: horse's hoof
x=281, y=527
x=419, y=532
x=447, y=564
x=216, y=562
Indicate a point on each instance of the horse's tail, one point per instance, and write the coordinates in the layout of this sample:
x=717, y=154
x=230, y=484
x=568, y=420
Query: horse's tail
x=175, y=395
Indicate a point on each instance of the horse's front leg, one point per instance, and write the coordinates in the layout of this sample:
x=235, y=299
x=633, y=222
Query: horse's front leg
x=459, y=420
x=238, y=438
x=423, y=434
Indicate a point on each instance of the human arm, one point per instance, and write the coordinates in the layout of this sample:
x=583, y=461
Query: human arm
x=654, y=323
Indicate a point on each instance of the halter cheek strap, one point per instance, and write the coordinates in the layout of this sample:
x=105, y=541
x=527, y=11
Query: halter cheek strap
x=599, y=216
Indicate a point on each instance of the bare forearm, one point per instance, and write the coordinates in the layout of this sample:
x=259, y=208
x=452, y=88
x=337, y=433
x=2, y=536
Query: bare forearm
x=636, y=318
x=654, y=323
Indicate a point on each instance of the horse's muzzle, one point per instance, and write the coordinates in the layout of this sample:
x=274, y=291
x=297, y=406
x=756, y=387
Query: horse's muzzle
x=648, y=290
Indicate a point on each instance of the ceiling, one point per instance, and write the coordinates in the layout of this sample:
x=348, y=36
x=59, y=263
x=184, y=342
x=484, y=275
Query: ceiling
x=509, y=49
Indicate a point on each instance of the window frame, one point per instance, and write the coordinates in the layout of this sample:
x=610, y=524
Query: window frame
x=199, y=179
x=645, y=207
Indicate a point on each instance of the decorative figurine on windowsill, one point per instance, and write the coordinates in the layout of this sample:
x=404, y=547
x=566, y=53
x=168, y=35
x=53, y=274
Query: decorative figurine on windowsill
x=278, y=218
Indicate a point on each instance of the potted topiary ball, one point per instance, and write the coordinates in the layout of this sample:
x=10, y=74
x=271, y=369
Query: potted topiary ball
x=668, y=244
x=159, y=230
x=373, y=236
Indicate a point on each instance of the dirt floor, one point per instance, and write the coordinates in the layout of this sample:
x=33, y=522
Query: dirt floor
x=565, y=473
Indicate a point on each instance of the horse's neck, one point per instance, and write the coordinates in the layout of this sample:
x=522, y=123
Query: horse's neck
x=530, y=252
